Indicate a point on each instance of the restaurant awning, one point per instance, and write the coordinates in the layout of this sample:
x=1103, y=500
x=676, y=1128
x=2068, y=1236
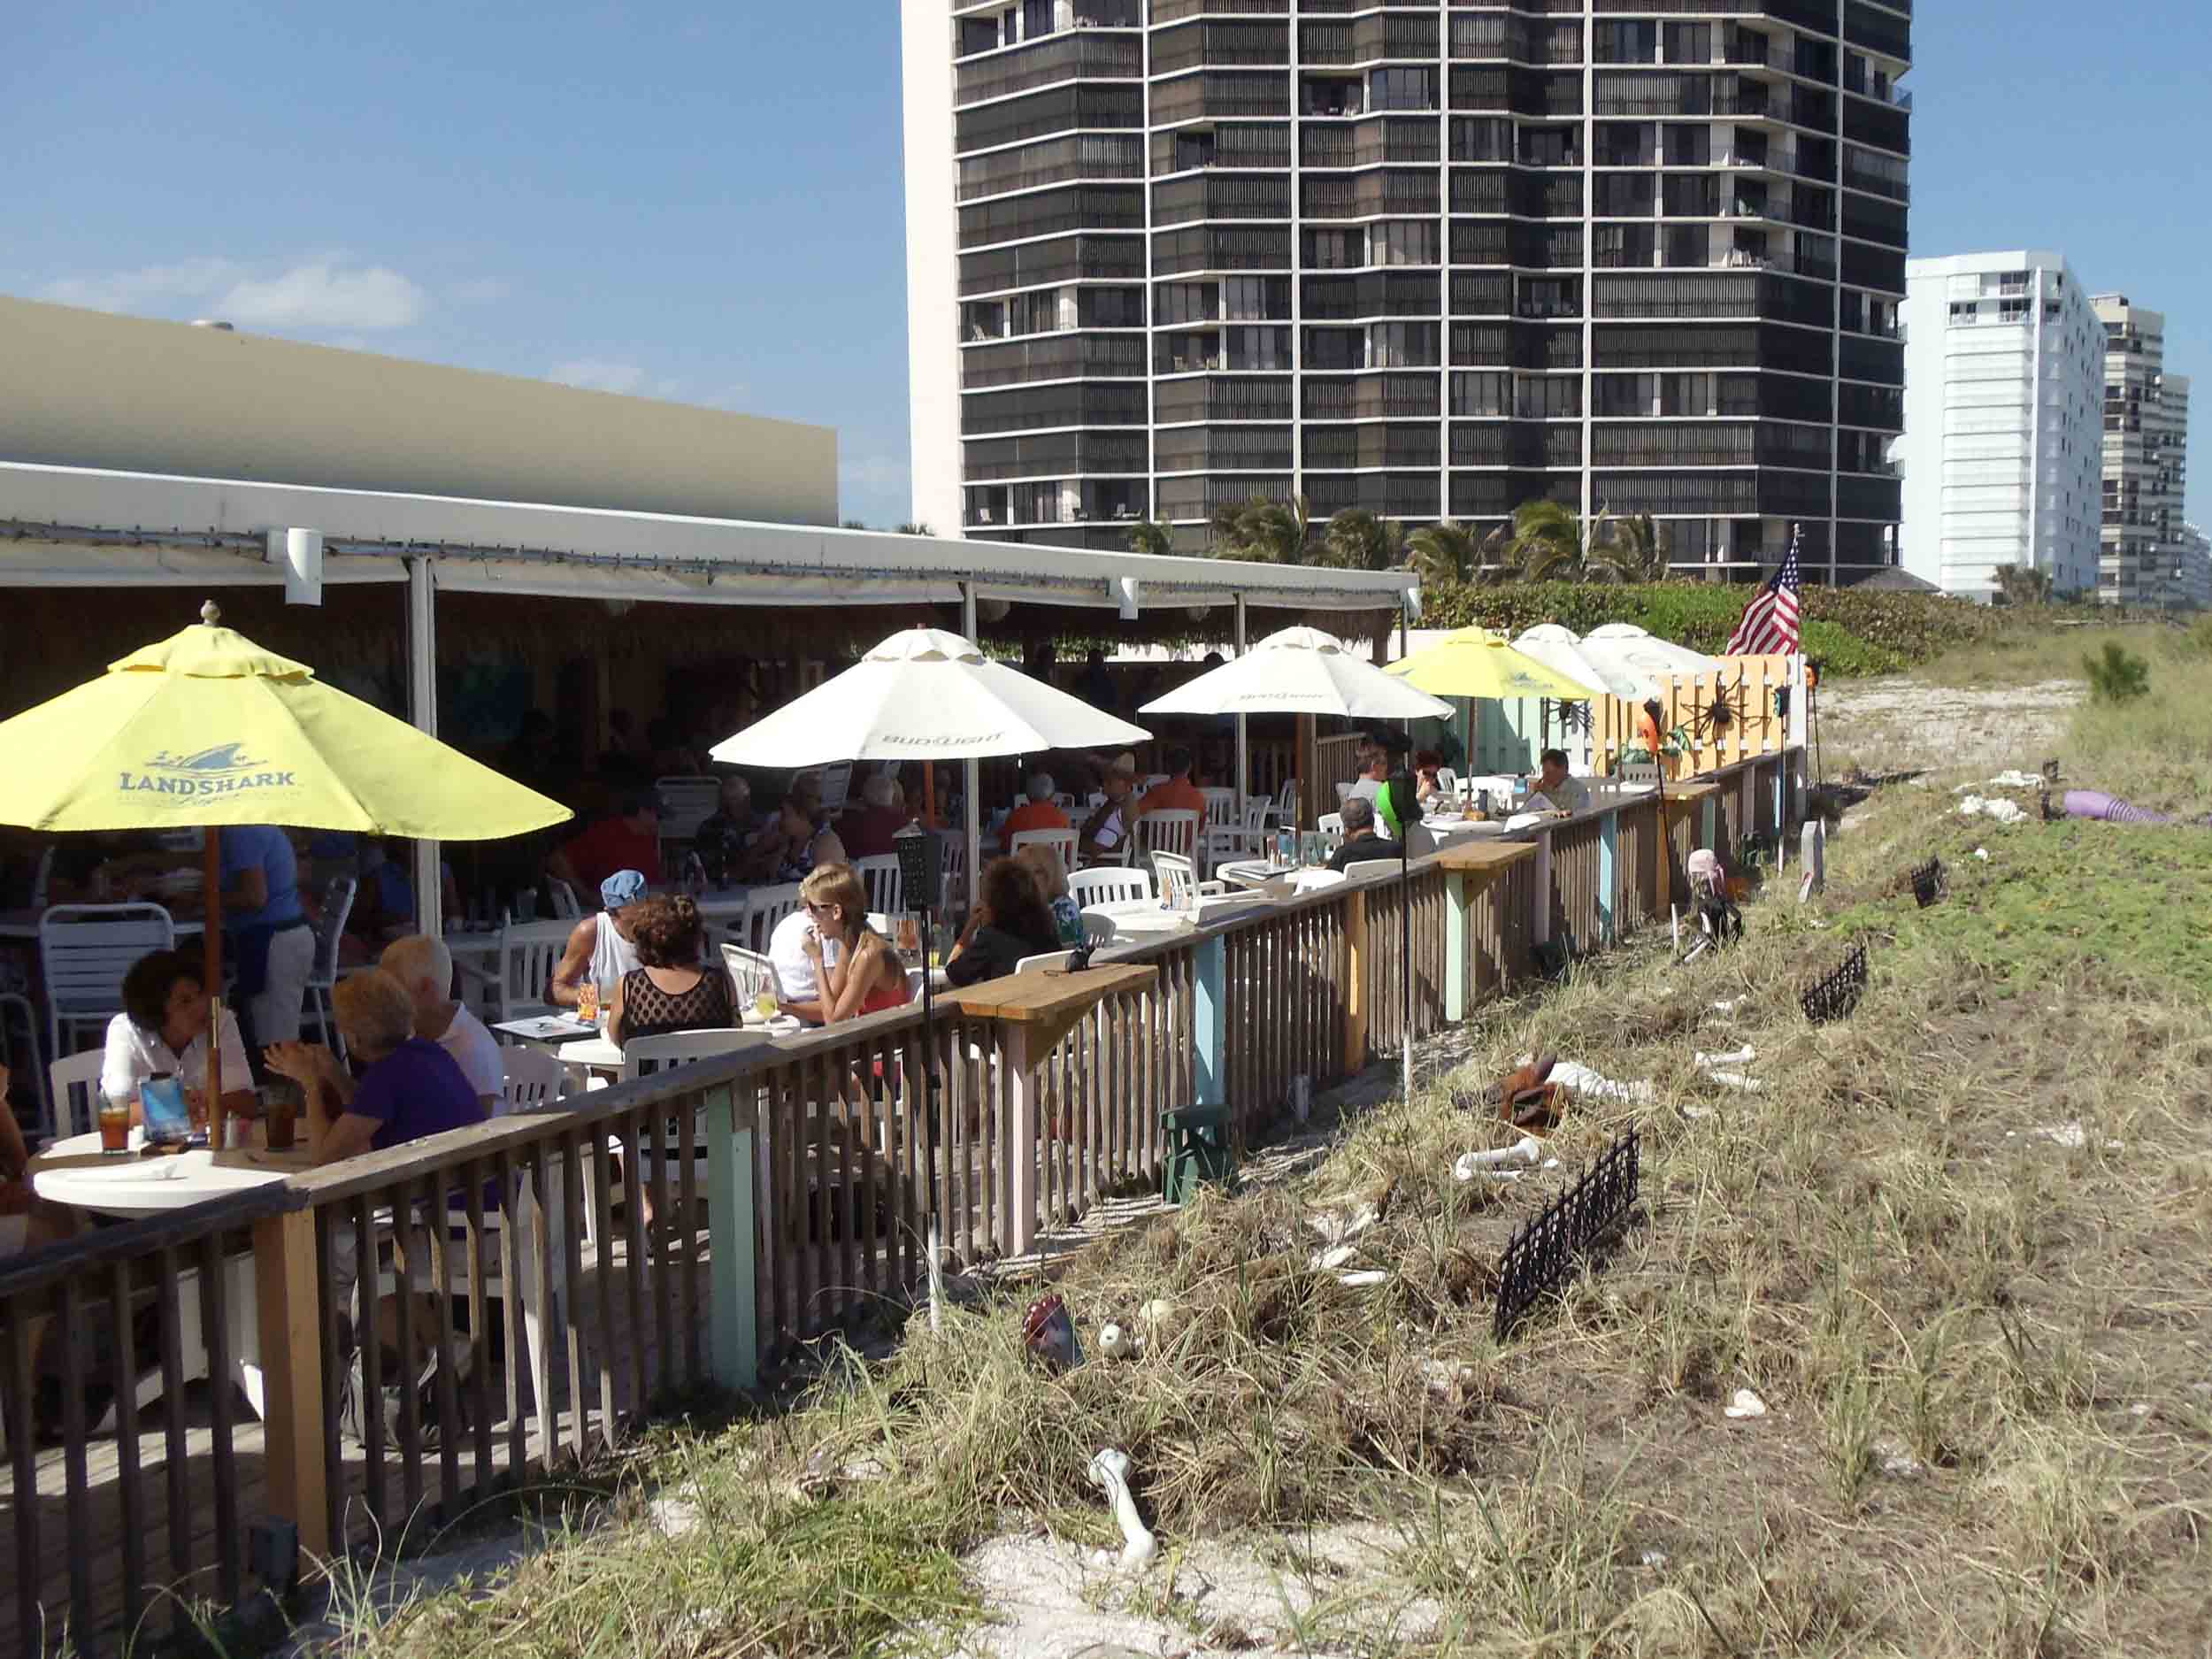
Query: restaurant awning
x=80, y=526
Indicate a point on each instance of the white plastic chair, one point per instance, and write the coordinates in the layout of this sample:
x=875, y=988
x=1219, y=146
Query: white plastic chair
x=1045, y=959
x=1244, y=840
x=644, y=1057
x=520, y=983
x=84, y=951
x=1284, y=809
x=1330, y=824
x=1343, y=792
x=1108, y=884
x=956, y=887
x=1062, y=842
x=837, y=785
x=73, y=1093
x=1639, y=771
x=1221, y=807
x=1370, y=867
x=337, y=906
x=767, y=907
x=1170, y=830
x=536, y=1080
x=750, y=974
x=887, y=889
x=1179, y=885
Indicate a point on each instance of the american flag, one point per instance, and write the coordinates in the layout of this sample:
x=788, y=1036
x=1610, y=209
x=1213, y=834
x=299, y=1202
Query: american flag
x=1768, y=627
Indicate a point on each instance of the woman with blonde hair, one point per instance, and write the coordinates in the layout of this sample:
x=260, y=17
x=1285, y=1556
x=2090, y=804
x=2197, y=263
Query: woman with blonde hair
x=1043, y=860
x=867, y=976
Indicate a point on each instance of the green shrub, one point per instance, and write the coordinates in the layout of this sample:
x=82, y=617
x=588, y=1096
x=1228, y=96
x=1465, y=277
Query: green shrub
x=1853, y=631
x=2116, y=675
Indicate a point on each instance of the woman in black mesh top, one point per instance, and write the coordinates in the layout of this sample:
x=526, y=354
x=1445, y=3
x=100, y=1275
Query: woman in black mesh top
x=672, y=991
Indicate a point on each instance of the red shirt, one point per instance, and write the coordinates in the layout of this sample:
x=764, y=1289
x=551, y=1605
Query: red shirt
x=1177, y=794
x=868, y=833
x=1033, y=815
x=611, y=845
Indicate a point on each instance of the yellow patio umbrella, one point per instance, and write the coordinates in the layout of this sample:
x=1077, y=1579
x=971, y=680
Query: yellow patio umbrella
x=1474, y=663
x=206, y=728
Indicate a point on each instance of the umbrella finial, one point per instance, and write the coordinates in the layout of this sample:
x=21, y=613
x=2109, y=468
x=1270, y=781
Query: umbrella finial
x=211, y=613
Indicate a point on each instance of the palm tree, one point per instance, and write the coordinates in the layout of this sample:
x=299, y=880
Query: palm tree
x=1551, y=541
x=914, y=529
x=1356, y=540
x=1448, y=552
x=1275, y=531
x=1631, y=549
x=1150, y=535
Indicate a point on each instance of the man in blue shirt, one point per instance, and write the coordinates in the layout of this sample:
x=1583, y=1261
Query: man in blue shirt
x=270, y=939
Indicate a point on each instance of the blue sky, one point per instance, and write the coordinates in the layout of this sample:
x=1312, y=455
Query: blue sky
x=704, y=201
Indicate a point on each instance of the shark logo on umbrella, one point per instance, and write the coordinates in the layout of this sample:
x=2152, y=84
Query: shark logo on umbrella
x=222, y=769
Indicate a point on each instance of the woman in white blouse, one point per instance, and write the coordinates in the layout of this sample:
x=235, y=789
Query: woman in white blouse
x=163, y=1027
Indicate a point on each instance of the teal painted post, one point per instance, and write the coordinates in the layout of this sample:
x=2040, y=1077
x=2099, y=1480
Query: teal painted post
x=1609, y=853
x=732, y=1328
x=1210, y=1020
x=1709, y=822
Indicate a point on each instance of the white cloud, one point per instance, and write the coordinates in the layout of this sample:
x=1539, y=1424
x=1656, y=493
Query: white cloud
x=605, y=375
x=316, y=294
x=322, y=294
x=148, y=286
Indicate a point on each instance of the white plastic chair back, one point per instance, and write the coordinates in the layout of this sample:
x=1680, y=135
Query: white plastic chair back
x=1065, y=801
x=1046, y=959
x=887, y=889
x=1639, y=771
x=1330, y=824
x=685, y=804
x=643, y=1056
x=1372, y=867
x=73, y=1092
x=1170, y=830
x=766, y=908
x=536, y=1081
x=566, y=906
x=1062, y=842
x=1179, y=882
x=1343, y=792
x=1221, y=807
x=1109, y=884
x=1287, y=802
x=1098, y=930
x=837, y=785
x=84, y=951
x=955, y=870
x=751, y=974
x=529, y=953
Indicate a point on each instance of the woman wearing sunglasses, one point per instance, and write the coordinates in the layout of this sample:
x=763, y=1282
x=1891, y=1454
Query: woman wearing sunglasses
x=867, y=976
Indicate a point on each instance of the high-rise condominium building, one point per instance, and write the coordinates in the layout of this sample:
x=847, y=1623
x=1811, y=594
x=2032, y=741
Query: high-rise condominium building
x=1431, y=260
x=2194, y=579
x=2003, y=445
x=2145, y=451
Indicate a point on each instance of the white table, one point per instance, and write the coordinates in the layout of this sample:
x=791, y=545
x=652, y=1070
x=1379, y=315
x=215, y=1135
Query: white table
x=22, y=925
x=127, y=1185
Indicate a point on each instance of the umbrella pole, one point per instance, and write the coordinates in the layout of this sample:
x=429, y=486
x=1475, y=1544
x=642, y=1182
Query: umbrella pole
x=936, y=1235
x=211, y=907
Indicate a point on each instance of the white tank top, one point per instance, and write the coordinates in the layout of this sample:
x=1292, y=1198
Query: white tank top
x=611, y=957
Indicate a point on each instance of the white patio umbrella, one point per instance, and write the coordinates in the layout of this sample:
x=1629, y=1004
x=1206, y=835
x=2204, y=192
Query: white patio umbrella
x=1300, y=670
x=1303, y=670
x=925, y=694
x=1622, y=649
x=1560, y=649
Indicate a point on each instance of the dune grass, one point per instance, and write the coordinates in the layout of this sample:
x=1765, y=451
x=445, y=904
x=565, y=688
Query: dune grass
x=1958, y=1244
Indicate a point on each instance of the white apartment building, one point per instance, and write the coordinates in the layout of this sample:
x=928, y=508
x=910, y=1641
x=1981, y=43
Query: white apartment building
x=2193, y=580
x=2002, y=453
x=2146, y=457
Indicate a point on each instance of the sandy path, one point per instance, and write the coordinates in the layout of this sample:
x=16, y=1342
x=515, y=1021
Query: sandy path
x=1894, y=724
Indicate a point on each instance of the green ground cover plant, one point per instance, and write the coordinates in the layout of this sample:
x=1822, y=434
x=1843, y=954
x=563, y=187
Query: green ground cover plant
x=1960, y=1244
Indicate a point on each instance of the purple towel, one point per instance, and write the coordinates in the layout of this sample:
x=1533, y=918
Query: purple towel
x=2091, y=804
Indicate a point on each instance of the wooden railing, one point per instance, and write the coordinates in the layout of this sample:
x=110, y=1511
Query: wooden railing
x=787, y=1186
